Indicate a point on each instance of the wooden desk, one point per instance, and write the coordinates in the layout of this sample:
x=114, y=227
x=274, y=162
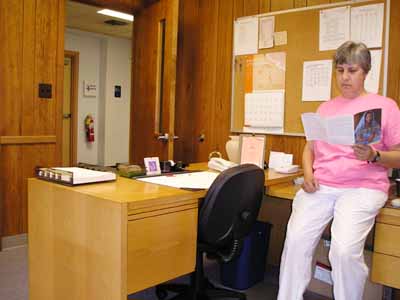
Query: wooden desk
x=386, y=256
x=108, y=240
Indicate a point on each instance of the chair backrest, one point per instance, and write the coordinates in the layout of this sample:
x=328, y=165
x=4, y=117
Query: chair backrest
x=231, y=205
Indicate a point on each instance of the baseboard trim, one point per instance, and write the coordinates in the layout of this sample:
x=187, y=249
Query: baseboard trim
x=13, y=241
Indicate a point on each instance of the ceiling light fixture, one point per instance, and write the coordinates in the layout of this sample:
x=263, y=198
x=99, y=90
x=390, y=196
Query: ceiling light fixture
x=116, y=14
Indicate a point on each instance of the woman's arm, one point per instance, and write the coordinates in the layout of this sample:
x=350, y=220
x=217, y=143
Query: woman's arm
x=310, y=184
x=388, y=159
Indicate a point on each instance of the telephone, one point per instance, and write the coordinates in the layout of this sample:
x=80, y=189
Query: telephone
x=219, y=164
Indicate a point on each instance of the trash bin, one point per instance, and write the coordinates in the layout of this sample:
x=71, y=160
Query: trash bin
x=249, y=267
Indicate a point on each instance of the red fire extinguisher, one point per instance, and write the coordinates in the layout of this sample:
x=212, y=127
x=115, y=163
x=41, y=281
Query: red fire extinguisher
x=89, y=128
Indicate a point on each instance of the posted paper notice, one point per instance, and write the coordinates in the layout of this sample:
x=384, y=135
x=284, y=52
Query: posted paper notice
x=334, y=27
x=246, y=36
x=317, y=77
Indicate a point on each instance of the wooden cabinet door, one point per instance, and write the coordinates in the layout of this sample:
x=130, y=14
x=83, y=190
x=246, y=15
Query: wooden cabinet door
x=153, y=81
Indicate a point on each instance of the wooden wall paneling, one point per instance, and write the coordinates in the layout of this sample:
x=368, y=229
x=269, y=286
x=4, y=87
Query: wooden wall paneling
x=393, y=90
x=288, y=144
x=204, y=102
x=222, y=105
x=317, y=2
x=251, y=7
x=238, y=9
x=30, y=90
x=171, y=11
x=11, y=33
x=146, y=71
x=11, y=177
x=300, y=3
x=19, y=139
x=281, y=4
x=33, y=156
x=59, y=89
x=144, y=66
x=46, y=38
x=32, y=34
x=265, y=6
x=187, y=70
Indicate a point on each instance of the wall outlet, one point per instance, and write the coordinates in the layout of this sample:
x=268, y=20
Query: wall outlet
x=45, y=90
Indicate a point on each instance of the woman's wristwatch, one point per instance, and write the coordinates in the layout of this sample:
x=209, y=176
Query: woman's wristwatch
x=376, y=158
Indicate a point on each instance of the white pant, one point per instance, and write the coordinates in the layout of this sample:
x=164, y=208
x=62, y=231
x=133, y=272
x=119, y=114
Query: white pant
x=353, y=211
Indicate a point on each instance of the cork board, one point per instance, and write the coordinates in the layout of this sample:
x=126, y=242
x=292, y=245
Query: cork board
x=302, y=45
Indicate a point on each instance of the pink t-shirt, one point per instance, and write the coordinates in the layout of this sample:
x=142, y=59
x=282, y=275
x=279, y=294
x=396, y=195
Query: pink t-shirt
x=336, y=165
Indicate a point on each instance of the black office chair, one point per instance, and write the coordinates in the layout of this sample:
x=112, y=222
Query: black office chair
x=226, y=216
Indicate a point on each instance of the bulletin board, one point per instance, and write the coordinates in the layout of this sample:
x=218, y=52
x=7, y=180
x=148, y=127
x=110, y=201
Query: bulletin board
x=302, y=27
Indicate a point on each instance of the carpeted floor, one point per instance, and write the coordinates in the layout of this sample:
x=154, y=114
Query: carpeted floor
x=14, y=279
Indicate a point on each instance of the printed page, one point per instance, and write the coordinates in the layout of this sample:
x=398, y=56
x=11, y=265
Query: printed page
x=314, y=126
x=269, y=71
x=194, y=180
x=279, y=159
x=317, y=77
x=334, y=27
x=266, y=35
x=362, y=128
x=340, y=130
x=372, y=81
x=246, y=36
x=252, y=150
x=264, y=109
x=367, y=24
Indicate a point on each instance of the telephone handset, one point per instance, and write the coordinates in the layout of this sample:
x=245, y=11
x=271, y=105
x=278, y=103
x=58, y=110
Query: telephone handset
x=219, y=164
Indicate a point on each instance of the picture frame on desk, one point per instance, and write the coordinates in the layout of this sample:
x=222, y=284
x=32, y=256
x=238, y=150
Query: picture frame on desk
x=252, y=149
x=152, y=165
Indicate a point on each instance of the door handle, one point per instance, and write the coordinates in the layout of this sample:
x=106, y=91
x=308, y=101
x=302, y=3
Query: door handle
x=163, y=137
x=67, y=116
x=176, y=137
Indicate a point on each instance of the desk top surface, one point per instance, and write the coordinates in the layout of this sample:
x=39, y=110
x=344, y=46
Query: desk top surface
x=125, y=190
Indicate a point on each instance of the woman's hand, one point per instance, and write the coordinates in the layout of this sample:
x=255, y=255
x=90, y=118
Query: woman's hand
x=363, y=152
x=310, y=184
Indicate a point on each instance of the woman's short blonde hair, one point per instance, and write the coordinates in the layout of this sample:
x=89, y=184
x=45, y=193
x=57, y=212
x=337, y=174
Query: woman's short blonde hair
x=353, y=53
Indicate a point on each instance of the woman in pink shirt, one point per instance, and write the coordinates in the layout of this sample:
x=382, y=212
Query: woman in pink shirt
x=345, y=184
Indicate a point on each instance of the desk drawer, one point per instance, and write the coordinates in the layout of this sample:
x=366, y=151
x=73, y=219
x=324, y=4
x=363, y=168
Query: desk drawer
x=385, y=270
x=387, y=239
x=161, y=248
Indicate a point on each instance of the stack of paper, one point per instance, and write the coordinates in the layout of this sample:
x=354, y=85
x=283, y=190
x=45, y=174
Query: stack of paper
x=74, y=175
x=194, y=180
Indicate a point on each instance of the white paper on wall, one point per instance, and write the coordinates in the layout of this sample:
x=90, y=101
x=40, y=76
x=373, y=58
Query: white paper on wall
x=266, y=34
x=246, y=36
x=371, y=83
x=367, y=24
x=317, y=77
x=334, y=27
x=265, y=109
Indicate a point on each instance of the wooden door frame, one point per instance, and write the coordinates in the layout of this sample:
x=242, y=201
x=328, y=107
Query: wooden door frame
x=1, y=204
x=74, y=56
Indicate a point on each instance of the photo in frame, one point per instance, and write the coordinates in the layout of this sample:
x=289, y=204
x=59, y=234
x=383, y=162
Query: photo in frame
x=152, y=165
x=252, y=149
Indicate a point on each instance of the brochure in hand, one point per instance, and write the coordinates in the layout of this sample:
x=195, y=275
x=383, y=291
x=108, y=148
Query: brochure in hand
x=362, y=128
